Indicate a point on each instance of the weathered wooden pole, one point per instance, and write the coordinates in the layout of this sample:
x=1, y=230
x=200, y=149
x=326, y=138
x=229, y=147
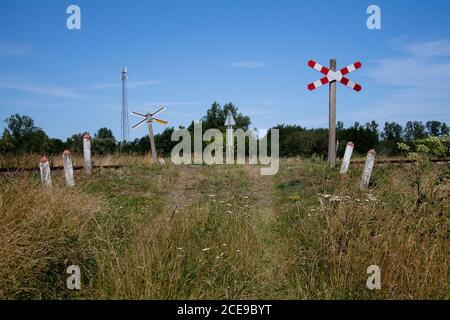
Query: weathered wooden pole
x=332, y=120
x=46, y=177
x=68, y=169
x=347, y=156
x=87, y=154
x=367, y=172
x=152, y=142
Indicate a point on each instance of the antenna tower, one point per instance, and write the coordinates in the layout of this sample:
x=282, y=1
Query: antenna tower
x=125, y=130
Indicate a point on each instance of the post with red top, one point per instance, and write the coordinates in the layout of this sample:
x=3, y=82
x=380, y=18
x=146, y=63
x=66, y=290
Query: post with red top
x=87, y=153
x=46, y=177
x=367, y=172
x=347, y=156
x=68, y=169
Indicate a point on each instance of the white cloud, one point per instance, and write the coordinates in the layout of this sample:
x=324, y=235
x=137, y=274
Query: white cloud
x=437, y=48
x=47, y=90
x=248, y=64
x=130, y=84
x=422, y=65
x=411, y=72
x=14, y=49
x=64, y=92
x=173, y=103
x=419, y=83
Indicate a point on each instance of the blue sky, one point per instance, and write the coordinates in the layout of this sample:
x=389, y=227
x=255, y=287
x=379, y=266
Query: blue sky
x=185, y=54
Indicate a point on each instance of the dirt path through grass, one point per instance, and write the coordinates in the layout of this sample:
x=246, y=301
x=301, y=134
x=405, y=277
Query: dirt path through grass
x=184, y=191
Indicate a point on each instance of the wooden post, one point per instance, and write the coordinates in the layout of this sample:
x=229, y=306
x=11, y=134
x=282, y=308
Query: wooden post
x=152, y=142
x=367, y=172
x=332, y=120
x=347, y=157
x=87, y=154
x=68, y=169
x=46, y=177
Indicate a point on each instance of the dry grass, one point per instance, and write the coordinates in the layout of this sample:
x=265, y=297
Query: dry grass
x=333, y=240
x=225, y=232
x=41, y=232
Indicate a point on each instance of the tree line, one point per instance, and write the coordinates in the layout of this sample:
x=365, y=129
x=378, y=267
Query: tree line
x=21, y=136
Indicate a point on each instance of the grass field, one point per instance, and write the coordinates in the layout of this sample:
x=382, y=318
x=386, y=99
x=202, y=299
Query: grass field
x=226, y=232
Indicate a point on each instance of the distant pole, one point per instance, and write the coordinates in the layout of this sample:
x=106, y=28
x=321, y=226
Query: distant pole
x=367, y=172
x=347, y=156
x=87, y=154
x=46, y=177
x=332, y=120
x=68, y=169
x=152, y=142
x=125, y=130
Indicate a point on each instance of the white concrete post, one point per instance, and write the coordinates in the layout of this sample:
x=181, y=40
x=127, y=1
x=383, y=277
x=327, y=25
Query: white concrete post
x=46, y=177
x=230, y=145
x=367, y=172
x=68, y=169
x=230, y=122
x=87, y=154
x=347, y=156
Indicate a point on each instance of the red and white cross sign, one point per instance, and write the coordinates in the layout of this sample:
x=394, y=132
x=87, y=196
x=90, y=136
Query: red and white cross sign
x=331, y=75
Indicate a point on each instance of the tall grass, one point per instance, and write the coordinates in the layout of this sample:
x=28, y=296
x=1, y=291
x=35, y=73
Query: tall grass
x=173, y=232
x=42, y=231
x=332, y=240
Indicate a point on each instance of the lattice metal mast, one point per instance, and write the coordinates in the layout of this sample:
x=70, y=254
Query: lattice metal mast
x=125, y=129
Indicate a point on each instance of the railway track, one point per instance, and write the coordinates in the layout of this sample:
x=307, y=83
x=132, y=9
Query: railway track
x=118, y=166
x=76, y=168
